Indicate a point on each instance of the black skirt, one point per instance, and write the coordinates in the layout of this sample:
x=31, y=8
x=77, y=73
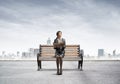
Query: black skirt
x=60, y=52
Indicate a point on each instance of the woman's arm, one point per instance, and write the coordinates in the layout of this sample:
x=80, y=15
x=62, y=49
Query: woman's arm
x=64, y=42
x=55, y=44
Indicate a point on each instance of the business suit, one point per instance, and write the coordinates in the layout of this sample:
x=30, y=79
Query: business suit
x=59, y=46
x=60, y=51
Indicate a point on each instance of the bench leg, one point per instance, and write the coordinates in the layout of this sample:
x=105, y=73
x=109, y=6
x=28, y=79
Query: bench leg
x=80, y=63
x=39, y=65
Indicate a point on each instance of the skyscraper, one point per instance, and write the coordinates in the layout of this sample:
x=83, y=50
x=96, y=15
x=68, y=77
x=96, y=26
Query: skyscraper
x=100, y=52
x=36, y=51
x=48, y=41
x=114, y=52
x=3, y=53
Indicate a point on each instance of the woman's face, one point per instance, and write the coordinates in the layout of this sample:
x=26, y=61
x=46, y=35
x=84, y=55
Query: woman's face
x=59, y=35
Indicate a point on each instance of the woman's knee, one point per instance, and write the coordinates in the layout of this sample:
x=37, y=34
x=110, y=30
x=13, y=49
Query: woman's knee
x=60, y=57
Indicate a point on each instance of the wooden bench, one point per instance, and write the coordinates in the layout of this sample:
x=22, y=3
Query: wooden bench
x=47, y=53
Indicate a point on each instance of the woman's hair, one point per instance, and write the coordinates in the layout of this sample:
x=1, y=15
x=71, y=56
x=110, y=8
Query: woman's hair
x=58, y=32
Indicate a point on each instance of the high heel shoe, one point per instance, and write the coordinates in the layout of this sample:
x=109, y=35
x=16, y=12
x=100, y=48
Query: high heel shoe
x=60, y=72
x=57, y=71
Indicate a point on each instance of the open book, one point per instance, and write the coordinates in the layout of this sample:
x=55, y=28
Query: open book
x=58, y=45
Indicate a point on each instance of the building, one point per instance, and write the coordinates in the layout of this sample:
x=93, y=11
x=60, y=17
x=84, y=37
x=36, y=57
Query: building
x=114, y=52
x=36, y=51
x=31, y=50
x=100, y=52
x=31, y=53
x=25, y=55
x=3, y=54
x=48, y=41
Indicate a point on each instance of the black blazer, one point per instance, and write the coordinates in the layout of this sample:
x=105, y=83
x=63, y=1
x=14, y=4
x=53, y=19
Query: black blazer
x=63, y=40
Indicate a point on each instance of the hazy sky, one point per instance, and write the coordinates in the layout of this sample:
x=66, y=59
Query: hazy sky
x=91, y=23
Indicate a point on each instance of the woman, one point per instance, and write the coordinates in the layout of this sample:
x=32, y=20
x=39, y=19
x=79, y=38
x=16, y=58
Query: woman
x=59, y=46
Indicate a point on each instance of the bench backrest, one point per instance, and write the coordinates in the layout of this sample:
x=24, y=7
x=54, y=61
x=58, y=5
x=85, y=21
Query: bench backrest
x=70, y=50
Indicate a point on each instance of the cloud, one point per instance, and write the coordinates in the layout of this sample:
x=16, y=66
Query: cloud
x=91, y=23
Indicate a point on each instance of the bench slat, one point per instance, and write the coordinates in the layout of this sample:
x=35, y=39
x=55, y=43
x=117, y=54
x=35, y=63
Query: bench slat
x=54, y=52
x=71, y=52
x=64, y=59
x=75, y=55
x=52, y=49
x=66, y=45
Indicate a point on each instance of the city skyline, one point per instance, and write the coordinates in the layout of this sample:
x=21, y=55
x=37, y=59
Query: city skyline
x=93, y=24
x=32, y=52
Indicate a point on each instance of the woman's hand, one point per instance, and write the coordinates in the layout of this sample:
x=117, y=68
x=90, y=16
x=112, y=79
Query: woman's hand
x=57, y=45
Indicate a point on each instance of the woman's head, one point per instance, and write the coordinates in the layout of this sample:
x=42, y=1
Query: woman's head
x=59, y=34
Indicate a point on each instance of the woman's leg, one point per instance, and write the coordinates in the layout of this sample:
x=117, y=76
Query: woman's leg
x=61, y=62
x=57, y=63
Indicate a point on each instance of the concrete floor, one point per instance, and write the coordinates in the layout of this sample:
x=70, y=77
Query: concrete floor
x=25, y=72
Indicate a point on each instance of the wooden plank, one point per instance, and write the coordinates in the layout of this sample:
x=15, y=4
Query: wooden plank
x=52, y=45
x=64, y=59
x=70, y=50
x=49, y=55
x=54, y=52
x=66, y=50
x=51, y=48
x=71, y=47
